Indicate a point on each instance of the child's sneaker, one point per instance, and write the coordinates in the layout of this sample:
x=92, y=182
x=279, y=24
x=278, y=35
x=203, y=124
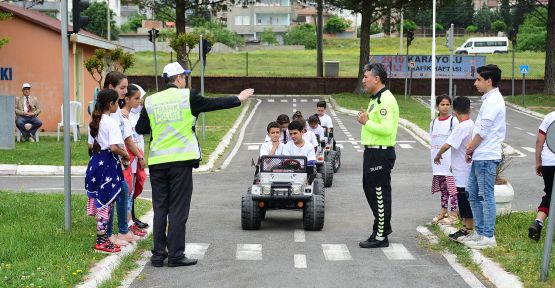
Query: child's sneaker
x=439, y=217
x=458, y=235
x=470, y=238
x=137, y=231
x=535, y=231
x=452, y=219
x=483, y=243
x=107, y=247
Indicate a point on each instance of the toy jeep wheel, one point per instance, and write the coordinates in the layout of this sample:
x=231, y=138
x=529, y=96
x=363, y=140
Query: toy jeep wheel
x=313, y=213
x=263, y=214
x=318, y=186
x=327, y=173
x=250, y=213
x=336, y=156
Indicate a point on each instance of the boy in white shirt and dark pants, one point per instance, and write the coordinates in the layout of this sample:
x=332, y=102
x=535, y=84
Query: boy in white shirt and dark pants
x=485, y=152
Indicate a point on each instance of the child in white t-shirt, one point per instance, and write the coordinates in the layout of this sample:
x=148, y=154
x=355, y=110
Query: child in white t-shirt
x=545, y=167
x=459, y=138
x=103, y=176
x=325, y=119
x=443, y=180
x=283, y=121
x=314, y=127
x=308, y=136
x=274, y=146
x=298, y=146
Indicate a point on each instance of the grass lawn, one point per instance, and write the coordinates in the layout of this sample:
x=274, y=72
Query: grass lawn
x=515, y=252
x=303, y=62
x=535, y=102
x=408, y=109
x=36, y=250
x=25, y=153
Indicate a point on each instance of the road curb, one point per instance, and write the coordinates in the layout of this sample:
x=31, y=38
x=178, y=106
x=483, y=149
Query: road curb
x=51, y=170
x=525, y=110
x=490, y=269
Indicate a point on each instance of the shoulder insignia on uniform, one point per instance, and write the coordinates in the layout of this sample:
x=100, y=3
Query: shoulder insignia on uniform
x=383, y=111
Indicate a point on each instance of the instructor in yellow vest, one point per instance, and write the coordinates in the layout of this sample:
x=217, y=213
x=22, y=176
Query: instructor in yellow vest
x=378, y=135
x=170, y=117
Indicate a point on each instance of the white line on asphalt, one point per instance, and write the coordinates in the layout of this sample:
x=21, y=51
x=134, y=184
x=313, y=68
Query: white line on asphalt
x=241, y=136
x=294, y=104
x=283, y=100
x=420, y=140
x=406, y=141
x=405, y=146
x=360, y=150
x=397, y=251
x=518, y=128
x=249, y=252
x=196, y=250
x=466, y=275
x=271, y=100
x=347, y=141
x=304, y=100
x=315, y=100
x=252, y=147
x=252, y=143
x=294, y=110
x=529, y=149
x=294, y=100
x=348, y=134
x=356, y=147
x=299, y=235
x=351, y=138
x=340, y=145
x=336, y=252
x=531, y=134
x=300, y=261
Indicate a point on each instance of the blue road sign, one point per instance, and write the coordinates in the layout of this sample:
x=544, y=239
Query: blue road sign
x=524, y=69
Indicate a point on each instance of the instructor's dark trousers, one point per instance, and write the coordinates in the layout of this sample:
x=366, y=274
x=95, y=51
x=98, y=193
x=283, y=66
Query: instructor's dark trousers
x=376, y=181
x=171, y=198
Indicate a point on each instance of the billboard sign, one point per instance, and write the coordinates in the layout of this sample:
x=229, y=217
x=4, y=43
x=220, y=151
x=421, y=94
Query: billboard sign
x=464, y=67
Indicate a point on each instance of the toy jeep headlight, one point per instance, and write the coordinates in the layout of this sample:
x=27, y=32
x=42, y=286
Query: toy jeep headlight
x=297, y=189
x=266, y=189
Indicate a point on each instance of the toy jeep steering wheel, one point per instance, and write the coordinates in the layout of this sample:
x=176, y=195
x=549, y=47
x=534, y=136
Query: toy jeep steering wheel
x=291, y=164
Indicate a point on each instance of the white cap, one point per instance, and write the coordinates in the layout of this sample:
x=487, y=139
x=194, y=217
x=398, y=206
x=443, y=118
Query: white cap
x=173, y=69
x=141, y=90
x=26, y=85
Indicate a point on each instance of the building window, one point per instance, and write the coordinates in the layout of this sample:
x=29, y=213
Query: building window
x=242, y=20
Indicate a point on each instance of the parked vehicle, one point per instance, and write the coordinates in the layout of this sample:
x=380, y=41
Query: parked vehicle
x=484, y=45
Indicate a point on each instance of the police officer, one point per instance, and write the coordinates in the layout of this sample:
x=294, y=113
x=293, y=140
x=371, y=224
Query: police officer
x=378, y=134
x=170, y=117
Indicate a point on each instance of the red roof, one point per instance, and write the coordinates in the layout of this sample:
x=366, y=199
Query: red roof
x=42, y=19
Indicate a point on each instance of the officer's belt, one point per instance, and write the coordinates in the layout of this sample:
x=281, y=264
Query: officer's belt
x=378, y=147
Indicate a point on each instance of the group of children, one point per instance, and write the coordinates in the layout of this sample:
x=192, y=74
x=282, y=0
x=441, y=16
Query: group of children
x=115, y=174
x=451, y=170
x=296, y=138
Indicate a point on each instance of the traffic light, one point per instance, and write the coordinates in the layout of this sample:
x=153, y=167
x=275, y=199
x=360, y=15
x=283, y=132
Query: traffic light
x=206, y=47
x=512, y=36
x=152, y=35
x=78, y=20
x=449, y=37
x=410, y=37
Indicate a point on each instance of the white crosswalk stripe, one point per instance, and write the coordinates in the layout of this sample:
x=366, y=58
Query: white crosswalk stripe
x=249, y=252
x=529, y=149
x=284, y=100
x=252, y=147
x=336, y=252
x=294, y=104
x=351, y=138
x=294, y=100
x=405, y=146
x=299, y=235
x=196, y=250
x=356, y=147
x=397, y=251
x=340, y=145
x=300, y=261
x=518, y=128
x=271, y=100
x=360, y=150
x=304, y=100
x=315, y=100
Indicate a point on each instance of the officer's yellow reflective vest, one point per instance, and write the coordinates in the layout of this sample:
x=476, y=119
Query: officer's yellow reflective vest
x=383, y=120
x=172, y=124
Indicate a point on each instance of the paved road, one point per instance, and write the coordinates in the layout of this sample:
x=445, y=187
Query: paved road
x=281, y=254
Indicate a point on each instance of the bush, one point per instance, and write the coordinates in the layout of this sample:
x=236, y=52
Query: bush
x=532, y=34
x=220, y=34
x=134, y=22
x=336, y=24
x=408, y=25
x=301, y=35
x=471, y=29
x=439, y=27
x=268, y=36
x=498, y=26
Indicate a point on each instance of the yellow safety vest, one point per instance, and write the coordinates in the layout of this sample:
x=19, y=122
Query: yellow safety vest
x=172, y=124
x=383, y=120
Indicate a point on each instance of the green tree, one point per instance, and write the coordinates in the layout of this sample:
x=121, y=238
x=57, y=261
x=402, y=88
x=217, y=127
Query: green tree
x=268, y=36
x=483, y=19
x=532, y=34
x=105, y=61
x=220, y=34
x=134, y=22
x=97, y=21
x=4, y=16
x=439, y=27
x=301, y=35
x=456, y=12
x=408, y=25
x=505, y=11
x=498, y=26
x=471, y=29
x=336, y=24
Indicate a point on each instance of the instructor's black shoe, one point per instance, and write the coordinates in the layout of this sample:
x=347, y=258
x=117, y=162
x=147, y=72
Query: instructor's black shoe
x=140, y=224
x=157, y=263
x=182, y=262
x=371, y=238
x=535, y=231
x=373, y=243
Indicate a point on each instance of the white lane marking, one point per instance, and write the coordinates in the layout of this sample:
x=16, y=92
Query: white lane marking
x=348, y=134
x=300, y=261
x=405, y=146
x=196, y=250
x=294, y=104
x=253, y=143
x=356, y=147
x=299, y=235
x=252, y=147
x=406, y=141
x=283, y=100
x=315, y=100
x=340, y=145
x=529, y=149
x=294, y=110
x=294, y=100
x=336, y=252
x=241, y=136
x=531, y=134
x=271, y=100
x=397, y=251
x=466, y=275
x=249, y=252
x=351, y=138
x=518, y=128
x=360, y=150
x=304, y=100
